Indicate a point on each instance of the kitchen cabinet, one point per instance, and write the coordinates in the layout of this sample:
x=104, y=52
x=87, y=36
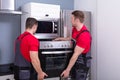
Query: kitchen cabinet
x=46, y=11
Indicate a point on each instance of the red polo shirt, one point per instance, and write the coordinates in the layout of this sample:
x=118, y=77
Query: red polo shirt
x=29, y=43
x=84, y=39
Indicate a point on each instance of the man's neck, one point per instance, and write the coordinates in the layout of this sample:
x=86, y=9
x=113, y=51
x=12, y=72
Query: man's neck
x=79, y=26
x=30, y=31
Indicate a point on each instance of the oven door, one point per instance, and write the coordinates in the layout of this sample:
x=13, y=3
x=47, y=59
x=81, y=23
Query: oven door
x=54, y=62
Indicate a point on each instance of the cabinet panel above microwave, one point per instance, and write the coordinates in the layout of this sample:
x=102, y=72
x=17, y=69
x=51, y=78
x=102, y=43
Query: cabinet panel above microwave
x=42, y=10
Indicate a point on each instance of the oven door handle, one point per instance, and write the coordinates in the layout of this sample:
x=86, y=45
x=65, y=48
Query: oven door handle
x=56, y=52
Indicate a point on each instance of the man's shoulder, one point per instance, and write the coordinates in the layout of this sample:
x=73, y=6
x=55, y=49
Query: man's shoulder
x=84, y=27
x=32, y=37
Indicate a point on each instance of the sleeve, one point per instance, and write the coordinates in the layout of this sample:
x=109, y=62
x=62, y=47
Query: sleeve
x=34, y=45
x=83, y=40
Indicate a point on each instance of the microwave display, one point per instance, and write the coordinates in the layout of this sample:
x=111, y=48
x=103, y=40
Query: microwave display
x=47, y=27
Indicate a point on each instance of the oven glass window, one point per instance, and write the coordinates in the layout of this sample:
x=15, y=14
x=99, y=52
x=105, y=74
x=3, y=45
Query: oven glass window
x=55, y=62
x=44, y=27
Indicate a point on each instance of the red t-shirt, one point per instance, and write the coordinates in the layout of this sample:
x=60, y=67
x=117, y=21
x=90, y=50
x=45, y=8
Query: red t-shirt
x=84, y=39
x=29, y=43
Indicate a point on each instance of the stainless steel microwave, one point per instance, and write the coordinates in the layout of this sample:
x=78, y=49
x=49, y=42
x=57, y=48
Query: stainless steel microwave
x=47, y=29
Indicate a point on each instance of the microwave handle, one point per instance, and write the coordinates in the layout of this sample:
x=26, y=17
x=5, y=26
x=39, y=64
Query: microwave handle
x=56, y=52
x=53, y=27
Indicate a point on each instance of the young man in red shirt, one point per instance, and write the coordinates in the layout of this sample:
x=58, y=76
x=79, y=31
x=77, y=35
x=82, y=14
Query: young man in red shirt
x=83, y=40
x=27, y=62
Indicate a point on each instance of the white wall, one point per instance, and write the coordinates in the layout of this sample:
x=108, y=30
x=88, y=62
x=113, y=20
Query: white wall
x=108, y=40
x=105, y=33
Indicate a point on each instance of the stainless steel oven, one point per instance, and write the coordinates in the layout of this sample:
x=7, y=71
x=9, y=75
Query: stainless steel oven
x=54, y=56
x=47, y=29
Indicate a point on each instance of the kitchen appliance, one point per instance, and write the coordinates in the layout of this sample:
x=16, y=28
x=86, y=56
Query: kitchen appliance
x=54, y=57
x=48, y=17
x=7, y=4
x=47, y=29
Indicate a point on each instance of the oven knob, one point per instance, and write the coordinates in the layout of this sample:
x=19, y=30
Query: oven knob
x=47, y=46
x=62, y=45
x=65, y=45
x=51, y=45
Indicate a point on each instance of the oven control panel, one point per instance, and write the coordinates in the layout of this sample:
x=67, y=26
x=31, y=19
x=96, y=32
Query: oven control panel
x=56, y=44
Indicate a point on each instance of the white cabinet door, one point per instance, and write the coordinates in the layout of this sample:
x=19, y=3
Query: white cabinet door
x=42, y=11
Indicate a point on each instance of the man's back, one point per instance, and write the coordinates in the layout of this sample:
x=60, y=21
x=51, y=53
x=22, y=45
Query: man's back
x=28, y=43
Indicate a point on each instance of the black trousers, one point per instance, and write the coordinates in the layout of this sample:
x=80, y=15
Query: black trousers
x=79, y=75
x=79, y=72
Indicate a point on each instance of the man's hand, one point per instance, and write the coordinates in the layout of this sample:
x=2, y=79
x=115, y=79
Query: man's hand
x=42, y=75
x=65, y=74
x=36, y=64
x=62, y=39
x=58, y=39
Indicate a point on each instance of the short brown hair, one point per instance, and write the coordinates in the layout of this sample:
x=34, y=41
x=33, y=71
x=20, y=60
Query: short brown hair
x=79, y=14
x=30, y=22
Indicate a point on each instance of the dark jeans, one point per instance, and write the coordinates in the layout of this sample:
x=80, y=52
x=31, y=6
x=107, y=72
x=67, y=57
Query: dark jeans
x=81, y=75
x=79, y=72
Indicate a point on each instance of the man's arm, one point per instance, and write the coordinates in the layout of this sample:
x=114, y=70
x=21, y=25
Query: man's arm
x=77, y=51
x=36, y=64
x=35, y=61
